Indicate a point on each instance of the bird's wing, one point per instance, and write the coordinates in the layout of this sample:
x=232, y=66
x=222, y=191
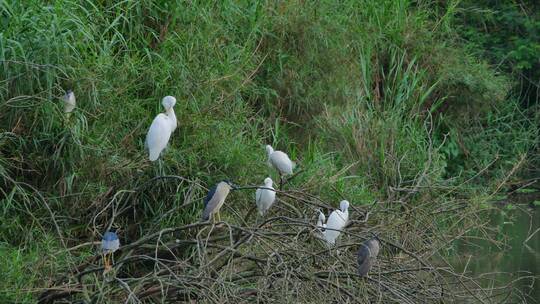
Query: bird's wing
x=282, y=162
x=336, y=220
x=209, y=195
x=258, y=194
x=210, y=203
x=363, y=254
x=158, y=136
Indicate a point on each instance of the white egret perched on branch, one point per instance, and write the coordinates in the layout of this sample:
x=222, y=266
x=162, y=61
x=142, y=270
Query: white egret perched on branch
x=281, y=161
x=367, y=255
x=321, y=221
x=109, y=244
x=265, y=197
x=215, y=199
x=161, y=129
x=336, y=222
x=69, y=101
x=321, y=225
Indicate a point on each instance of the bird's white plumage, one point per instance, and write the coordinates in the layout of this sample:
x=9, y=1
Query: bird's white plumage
x=336, y=221
x=161, y=129
x=69, y=101
x=264, y=198
x=321, y=221
x=280, y=161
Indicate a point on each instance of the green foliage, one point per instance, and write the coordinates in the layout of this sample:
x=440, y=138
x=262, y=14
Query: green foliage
x=508, y=34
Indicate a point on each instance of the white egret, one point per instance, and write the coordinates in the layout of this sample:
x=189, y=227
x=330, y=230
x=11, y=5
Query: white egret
x=109, y=244
x=69, y=101
x=264, y=198
x=321, y=226
x=215, y=199
x=281, y=162
x=336, y=221
x=161, y=129
x=321, y=221
x=367, y=255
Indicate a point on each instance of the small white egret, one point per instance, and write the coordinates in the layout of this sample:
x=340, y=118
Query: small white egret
x=367, y=255
x=161, y=129
x=215, y=199
x=69, y=101
x=336, y=222
x=321, y=226
x=281, y=162
x=321, y=221
x=264, y=198
x=109, y=244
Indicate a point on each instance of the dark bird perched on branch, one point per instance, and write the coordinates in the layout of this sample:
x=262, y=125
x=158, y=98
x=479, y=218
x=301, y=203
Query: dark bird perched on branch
x=367, y=255
x=109, y=244
x=215, y=199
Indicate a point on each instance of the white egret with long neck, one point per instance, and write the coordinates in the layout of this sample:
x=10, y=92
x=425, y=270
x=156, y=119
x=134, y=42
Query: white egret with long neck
x=265, y=197
x=161, y=129
x=281, y=161
x=336, y=222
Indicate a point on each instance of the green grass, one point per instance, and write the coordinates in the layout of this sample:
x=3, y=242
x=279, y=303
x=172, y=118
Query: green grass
x=367, y=96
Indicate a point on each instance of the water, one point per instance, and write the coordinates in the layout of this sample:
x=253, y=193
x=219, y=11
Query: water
x=511, y=261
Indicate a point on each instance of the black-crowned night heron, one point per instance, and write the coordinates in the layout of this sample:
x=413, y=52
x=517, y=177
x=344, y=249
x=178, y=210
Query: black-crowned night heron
x=367, y=254
x=109, y=244
x=281, y=162
x=215, y=199
x=69, y=101
x=264, y=198
x=336, y=222
x=161, y=129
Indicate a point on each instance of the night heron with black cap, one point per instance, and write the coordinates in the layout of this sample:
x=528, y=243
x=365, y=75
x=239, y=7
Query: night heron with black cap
x=336, y=222
x=367, y=254
x=215, y=199
x=69, y=101
x=265, y=196
x=109, y=244
x=281, y=161
x=161, y=129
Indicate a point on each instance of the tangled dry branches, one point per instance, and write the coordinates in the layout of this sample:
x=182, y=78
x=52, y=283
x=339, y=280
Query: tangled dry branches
x=273, y=259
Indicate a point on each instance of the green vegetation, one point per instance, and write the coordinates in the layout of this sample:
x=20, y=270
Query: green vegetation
x=378, y=101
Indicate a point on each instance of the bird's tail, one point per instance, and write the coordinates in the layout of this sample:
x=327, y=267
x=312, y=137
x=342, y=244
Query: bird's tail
x=153, y=155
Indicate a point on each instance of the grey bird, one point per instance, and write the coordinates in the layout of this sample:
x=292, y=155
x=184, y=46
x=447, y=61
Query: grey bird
x=215, y=199
x=367, y=255
x=109, y=244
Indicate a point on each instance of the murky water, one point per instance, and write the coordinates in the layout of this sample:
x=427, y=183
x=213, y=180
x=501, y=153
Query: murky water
x=519, y=258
